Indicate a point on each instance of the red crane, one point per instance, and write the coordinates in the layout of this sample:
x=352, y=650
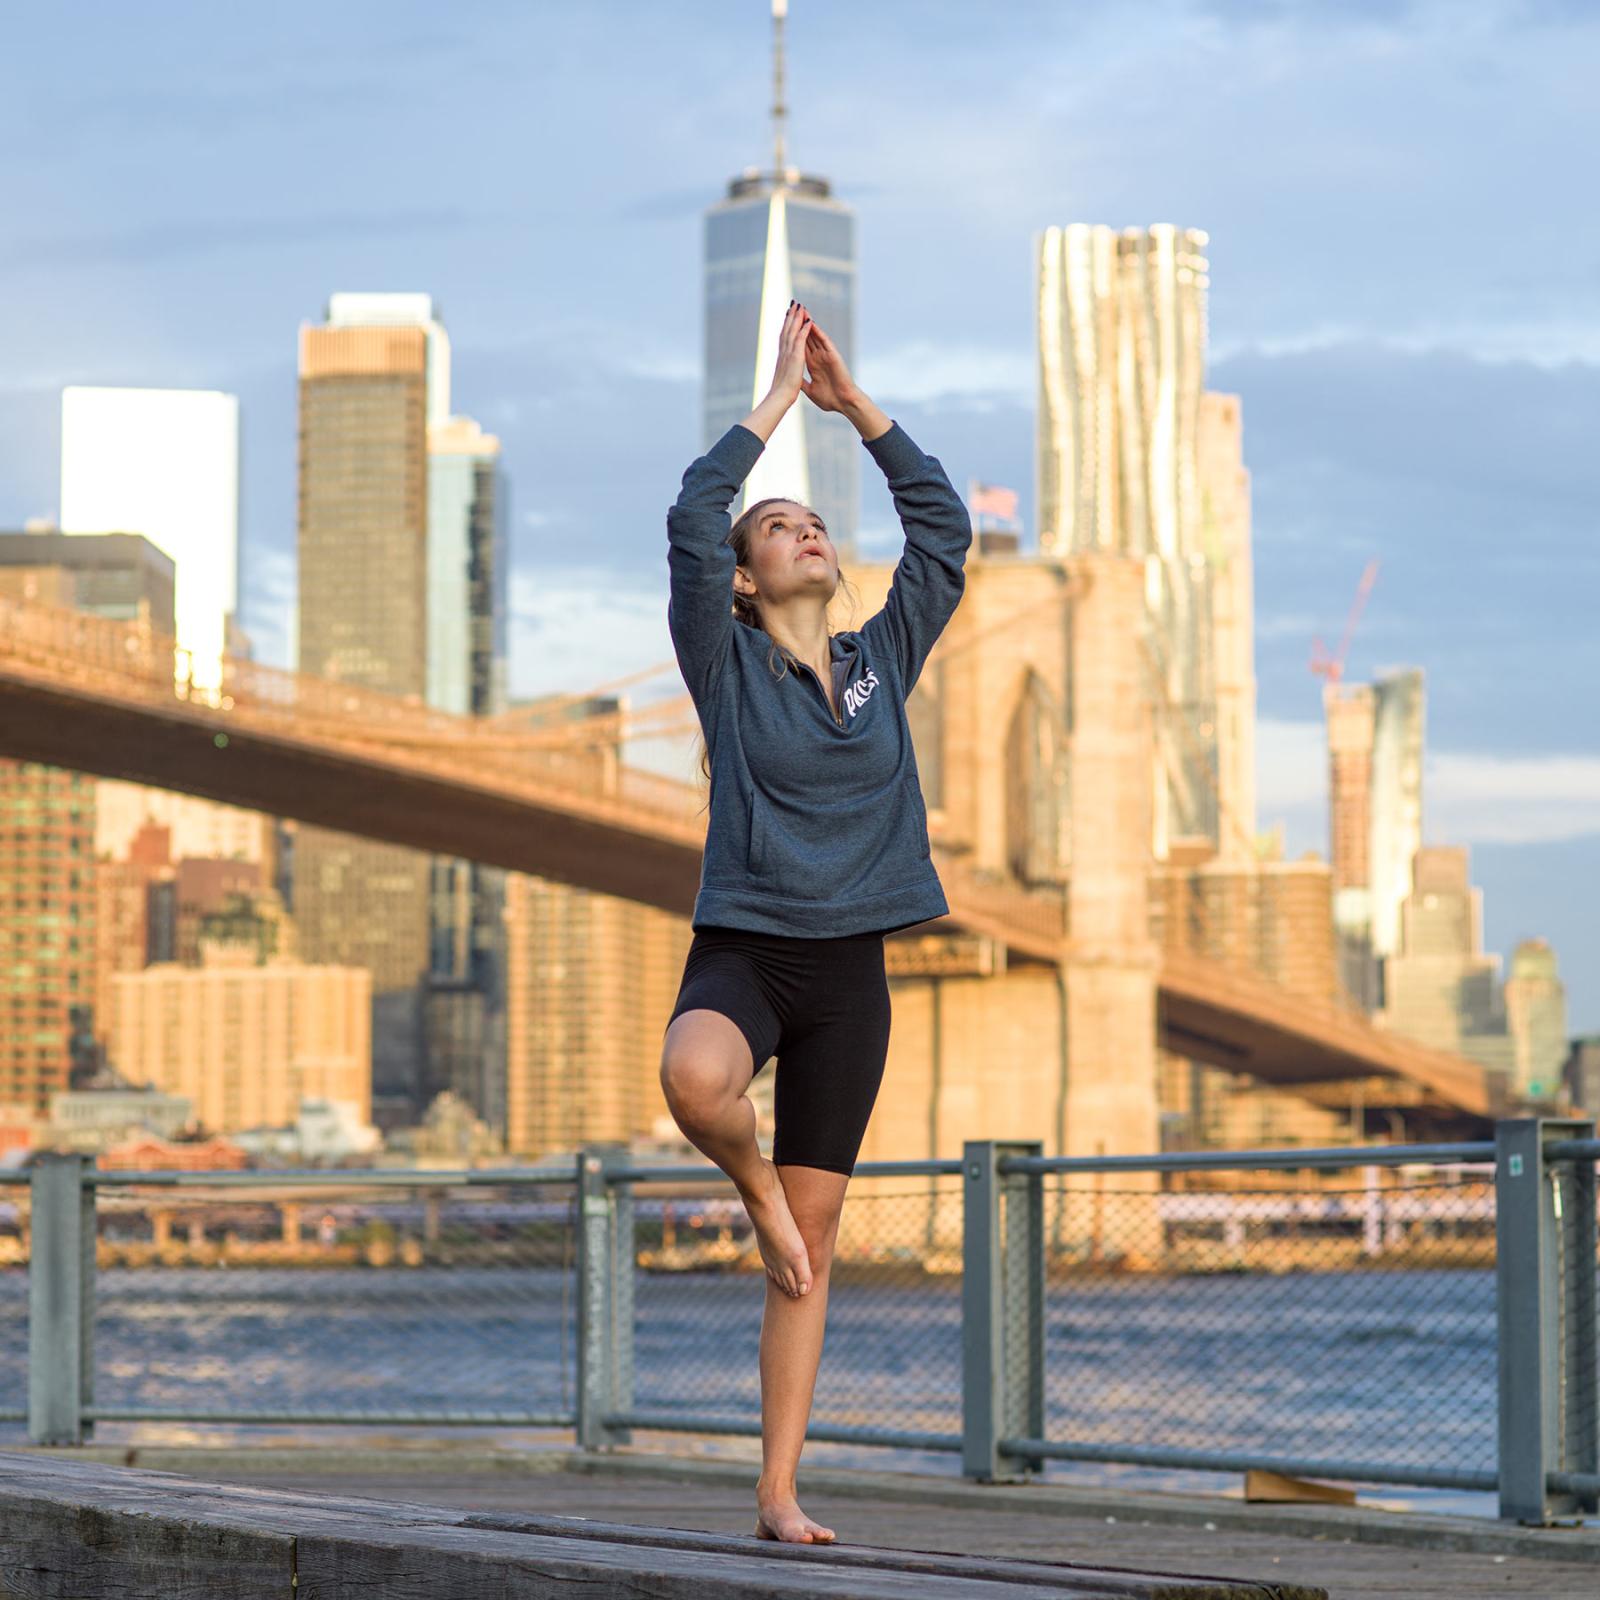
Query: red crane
x=1332, y=667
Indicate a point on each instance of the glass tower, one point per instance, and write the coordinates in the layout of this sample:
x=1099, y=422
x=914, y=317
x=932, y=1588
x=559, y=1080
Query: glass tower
x=775, y=236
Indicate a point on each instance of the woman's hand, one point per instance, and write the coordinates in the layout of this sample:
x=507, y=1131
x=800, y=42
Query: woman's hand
x=789, y=375
x=830, y=387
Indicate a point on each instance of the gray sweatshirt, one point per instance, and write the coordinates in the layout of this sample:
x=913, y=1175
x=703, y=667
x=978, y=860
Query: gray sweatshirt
x=817, y=824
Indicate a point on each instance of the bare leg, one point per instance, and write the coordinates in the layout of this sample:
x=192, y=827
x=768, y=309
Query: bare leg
x=705, y=1070
x=791, y=1349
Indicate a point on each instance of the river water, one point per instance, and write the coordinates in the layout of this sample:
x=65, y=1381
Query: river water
x=1393, y=1367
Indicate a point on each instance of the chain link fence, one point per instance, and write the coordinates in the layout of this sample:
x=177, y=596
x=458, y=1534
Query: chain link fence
x=335, y=1305
x=1174, y=1313
x=13, y=1304
x=1335, y=1323
x=892, y=1351
x=1577, y=1329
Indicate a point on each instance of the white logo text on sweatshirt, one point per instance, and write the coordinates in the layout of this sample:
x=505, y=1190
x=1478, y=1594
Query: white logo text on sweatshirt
x=858, y=693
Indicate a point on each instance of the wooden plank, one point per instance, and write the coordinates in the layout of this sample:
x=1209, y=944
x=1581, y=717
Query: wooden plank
x=80, y=1530
x=1057, y=1575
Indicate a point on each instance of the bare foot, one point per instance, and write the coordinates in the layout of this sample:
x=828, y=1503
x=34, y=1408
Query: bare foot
x=781, y=1518
x=782, y=1248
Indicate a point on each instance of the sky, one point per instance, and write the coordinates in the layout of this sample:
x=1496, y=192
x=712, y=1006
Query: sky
x=1405, y=293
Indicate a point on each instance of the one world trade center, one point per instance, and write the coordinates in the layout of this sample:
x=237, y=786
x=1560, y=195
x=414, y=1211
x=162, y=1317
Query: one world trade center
x=777, y=236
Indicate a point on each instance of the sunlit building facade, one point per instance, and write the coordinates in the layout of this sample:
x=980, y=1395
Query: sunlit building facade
x=163, y=463
x=47, y=930
x=1121, y=325
x=55, y=953
x=1375, y=750
x=1440, y=985
x=245, y=1041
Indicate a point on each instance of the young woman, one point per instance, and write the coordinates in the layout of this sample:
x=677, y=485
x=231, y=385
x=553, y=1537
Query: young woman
x=817, y=846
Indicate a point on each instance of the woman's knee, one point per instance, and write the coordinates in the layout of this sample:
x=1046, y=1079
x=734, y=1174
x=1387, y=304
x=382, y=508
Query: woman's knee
x=703, y=1065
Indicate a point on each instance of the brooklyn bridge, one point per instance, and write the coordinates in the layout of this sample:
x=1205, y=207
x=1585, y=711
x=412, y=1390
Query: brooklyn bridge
x=545, y=791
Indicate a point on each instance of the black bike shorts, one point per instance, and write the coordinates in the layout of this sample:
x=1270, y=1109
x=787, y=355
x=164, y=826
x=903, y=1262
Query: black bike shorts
x=822, y=1007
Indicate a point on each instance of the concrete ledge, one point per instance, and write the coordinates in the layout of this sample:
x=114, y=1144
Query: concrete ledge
x=80, y=1530
x=1360, y=1524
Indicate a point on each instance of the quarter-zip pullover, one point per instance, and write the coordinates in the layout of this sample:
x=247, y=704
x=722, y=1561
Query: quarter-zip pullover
x=817, y=823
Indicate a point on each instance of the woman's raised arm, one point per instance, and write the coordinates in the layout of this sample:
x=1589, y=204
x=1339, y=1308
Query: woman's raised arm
x=931, y=576
x=700, y=561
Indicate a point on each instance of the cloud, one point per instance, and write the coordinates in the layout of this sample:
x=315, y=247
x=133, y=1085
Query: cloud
x=1475, y=486
x=580, y=626
x=1517, y=800
x=180, y=239
x=574, y=629
x=1468, y=797
x=926, y=370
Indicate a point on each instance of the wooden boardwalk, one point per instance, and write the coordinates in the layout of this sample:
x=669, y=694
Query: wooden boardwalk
x=465, y=1505
x=84, y=1530
x=1346, y=1568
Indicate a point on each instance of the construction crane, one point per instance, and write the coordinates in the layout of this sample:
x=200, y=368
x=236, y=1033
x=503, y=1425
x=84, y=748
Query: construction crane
x=1332, y=667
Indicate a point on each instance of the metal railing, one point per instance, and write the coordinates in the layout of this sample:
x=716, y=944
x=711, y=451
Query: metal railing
x=1429, y=1320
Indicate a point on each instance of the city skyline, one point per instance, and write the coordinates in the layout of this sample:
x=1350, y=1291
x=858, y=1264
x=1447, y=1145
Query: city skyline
x=595, y=389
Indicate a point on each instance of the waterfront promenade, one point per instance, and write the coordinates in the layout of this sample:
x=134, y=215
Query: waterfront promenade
x=1347, y=1552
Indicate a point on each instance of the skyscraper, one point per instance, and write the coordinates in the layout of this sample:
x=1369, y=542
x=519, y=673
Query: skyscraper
x=1397, y=745
x=164, y=463
x=467, y=570
x=364, y=505
x=1375, y=743
x=47, y=930
x=1536, y=1018
x=1225, y=528
x=779, y=235
x=363, y=574
x=1439, y=985
x=464, y=1006
x=52, y=944
x=1121, y=321
x=403, y=576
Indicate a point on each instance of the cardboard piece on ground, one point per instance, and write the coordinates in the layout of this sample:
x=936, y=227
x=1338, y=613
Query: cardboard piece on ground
x=1260, y=1485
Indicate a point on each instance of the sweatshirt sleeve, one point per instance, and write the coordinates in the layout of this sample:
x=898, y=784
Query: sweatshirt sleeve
x=700, y=562
x=929, y=580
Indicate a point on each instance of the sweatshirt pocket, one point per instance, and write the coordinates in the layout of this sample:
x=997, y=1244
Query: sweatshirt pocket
x=782, y=861
x=755, y=844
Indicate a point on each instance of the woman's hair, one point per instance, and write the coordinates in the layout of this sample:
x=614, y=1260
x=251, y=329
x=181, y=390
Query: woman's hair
x=746, y=611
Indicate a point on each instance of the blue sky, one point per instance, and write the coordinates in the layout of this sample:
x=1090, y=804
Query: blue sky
x=1405, y=269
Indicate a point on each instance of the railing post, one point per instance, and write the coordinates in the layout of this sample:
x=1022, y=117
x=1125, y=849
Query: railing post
x=605, y=1297
x=1002, y=1310
x=1545, y=1270
x=61, y=1294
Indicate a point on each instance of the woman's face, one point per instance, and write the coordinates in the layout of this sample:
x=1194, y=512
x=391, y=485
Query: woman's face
x=791, y=554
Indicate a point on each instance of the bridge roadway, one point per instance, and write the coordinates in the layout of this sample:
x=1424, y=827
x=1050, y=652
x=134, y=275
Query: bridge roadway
x=96, y=696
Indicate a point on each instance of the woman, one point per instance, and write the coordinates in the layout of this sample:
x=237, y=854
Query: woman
x=817, y=847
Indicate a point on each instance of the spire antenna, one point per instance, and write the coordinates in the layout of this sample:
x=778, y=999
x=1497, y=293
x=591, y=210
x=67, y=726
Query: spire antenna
x=780, y=9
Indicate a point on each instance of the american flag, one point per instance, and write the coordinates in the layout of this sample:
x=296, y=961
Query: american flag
x=990, y=500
